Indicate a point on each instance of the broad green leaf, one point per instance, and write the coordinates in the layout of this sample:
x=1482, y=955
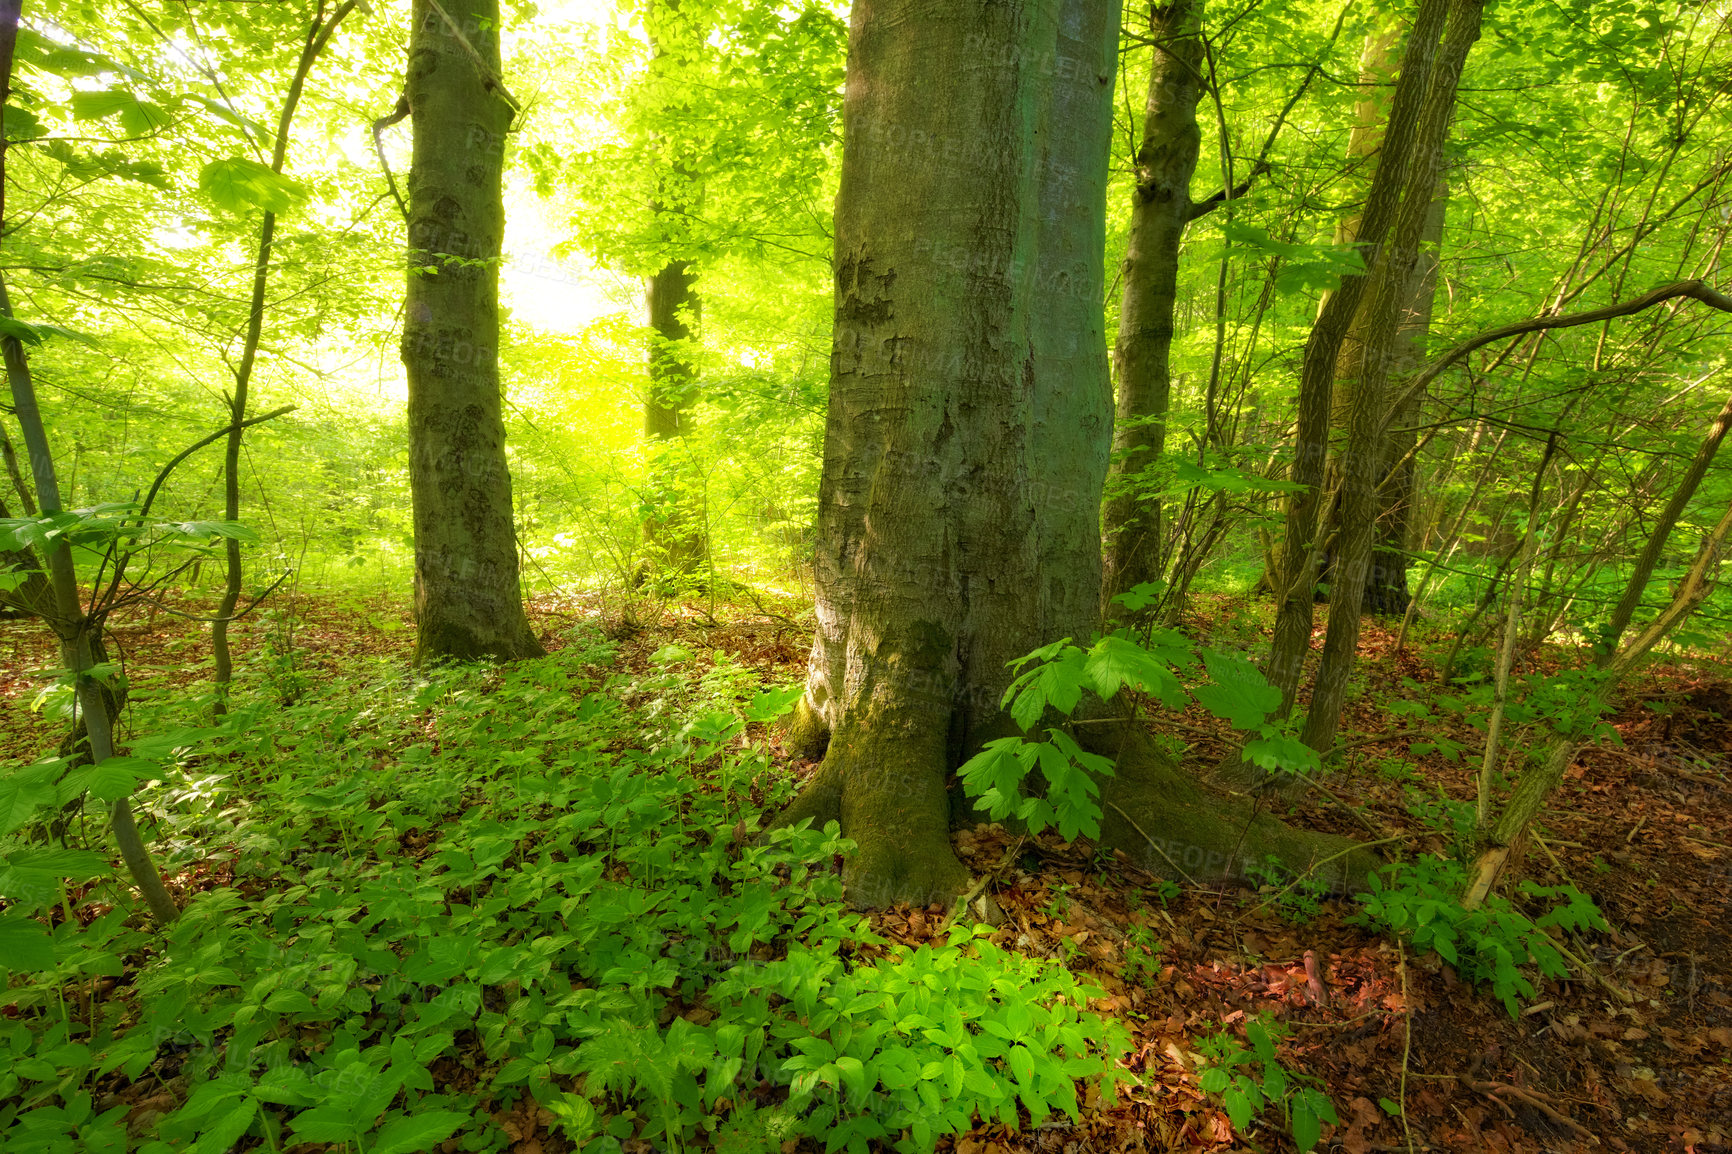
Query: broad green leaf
x=108, y=780
x=1240, y=695
x=221, y=1137
x=237, y=184
x=410, y=1134
x=60, y=863
x=137, y=117
x=25, y=944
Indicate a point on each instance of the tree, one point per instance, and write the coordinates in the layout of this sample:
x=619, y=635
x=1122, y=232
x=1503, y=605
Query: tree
x=1161, y=207
x=1385, y=588
x=673, y=529
x=968, y=435
x=59, y=604
x=468, y=603
x=319, y=32
x=1388, y=239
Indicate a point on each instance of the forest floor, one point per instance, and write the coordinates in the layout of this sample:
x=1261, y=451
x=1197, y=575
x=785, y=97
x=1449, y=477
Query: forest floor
x=1632, y=1053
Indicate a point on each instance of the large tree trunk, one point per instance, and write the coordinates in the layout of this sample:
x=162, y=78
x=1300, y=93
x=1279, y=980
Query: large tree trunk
x=468, y=604
x=969, y=429
x=1160, y=208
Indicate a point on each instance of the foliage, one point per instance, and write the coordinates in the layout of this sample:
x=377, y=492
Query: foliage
x=1493, y=943
x=1251, y=1080
x=1058, y=678
x=470, y=869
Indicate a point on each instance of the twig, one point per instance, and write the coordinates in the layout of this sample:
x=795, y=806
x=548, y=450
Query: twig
x=1492, y=1090
x=379, y=126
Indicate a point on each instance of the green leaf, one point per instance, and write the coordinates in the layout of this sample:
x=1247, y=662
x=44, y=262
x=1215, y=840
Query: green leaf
x=1116, y=661
x=19, y=331
x=221, y=1137
x=25, y=944
x=137, y=117
x=1283, y=752
x=110, y=779
x=1141, y=596
x=773, y=703
x=1307, y=1127
x=238, y=184
x=290, y=1002
x=205, y=530
x=59, y=863
x=1241, y=695
x=410, y=1134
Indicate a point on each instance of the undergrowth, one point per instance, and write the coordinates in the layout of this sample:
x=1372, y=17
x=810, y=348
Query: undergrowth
x=454, y=893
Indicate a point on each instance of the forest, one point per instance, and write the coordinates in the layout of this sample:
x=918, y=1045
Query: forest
x=984, y=576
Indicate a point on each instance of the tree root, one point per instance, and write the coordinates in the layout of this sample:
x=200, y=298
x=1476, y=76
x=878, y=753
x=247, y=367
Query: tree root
x=1497, y=1091
x=1166, y=824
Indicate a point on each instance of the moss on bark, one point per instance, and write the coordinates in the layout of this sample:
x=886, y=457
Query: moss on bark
x=806, y=734
x=1166, y=823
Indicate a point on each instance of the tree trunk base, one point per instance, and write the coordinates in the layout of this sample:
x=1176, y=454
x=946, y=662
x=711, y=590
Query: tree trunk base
x=805, y=734
x=883, y=781
x=889, y=798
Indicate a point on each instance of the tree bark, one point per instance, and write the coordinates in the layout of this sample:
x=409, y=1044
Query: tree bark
x=674, y=533
x=1295, y=579
x=1161, y=206
x=468, y=602
x=968, y=432
x=1385, y=590
x=1391, y=287
x=66, y=616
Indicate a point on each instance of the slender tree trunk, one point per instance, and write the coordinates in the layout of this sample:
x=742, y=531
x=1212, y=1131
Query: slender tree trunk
x=1160, y=208
x=1392, y=283
x=674, y=533
x=1643, y=570
x=1547, y=769
x=1511, y=631
x=968, y=433
x=66, y=616
x=1385, y=588
x=1295, y=578
x=468, y=600
x=318, y=35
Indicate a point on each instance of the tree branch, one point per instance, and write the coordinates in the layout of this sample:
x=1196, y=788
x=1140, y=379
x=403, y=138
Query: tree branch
x=1693, y=289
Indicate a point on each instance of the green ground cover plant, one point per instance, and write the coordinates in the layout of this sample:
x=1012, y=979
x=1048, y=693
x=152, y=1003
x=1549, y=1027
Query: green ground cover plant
x=457, y=889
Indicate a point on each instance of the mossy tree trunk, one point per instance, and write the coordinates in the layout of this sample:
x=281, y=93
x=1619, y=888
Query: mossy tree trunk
x=468, y=601
x=968, y=433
